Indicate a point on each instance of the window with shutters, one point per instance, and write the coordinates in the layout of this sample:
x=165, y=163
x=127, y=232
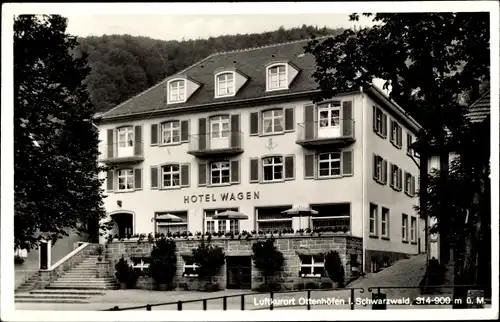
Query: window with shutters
x=384, y=221
x=373, y=219
x=270, y=219
x=224, y=225
x=125, y=137
x=379, y=120
x=125, y=180
x=277, y=77
x=329, y=165
x=396, y=134
x=379, y=169
x=409, y=141
x=273, y=121
x=171, y=132
x=396, y=178
x=219, y=173
x=165, y=225
x=225, y=85
x=272, y=168
x=219, y=127
x=404, y=228
x=312, y=265
x=177, y=91
x=409, y=184
x=171, y=176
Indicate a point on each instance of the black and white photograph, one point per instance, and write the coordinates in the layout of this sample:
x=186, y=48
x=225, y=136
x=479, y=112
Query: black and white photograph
x=268, y=157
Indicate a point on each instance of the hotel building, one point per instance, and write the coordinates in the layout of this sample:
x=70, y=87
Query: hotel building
x=238, y=130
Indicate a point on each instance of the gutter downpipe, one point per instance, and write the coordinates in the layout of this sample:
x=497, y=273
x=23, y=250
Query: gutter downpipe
x=363, y=181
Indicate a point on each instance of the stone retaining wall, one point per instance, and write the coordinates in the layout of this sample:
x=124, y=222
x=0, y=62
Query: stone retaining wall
x=290, y=246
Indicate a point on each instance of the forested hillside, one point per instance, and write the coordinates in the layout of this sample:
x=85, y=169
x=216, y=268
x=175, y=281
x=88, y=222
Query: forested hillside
x=123, y=65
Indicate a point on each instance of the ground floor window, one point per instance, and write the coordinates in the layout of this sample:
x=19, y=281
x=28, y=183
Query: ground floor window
x=271, y=218
x=140, y=265
x=164, y=225
x=334, y=217
x=189, y=266
x=220, y=226
x=312, y=265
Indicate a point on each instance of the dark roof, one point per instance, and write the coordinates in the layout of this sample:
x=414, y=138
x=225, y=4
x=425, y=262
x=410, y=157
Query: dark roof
x=251, y=62
x=480, y=109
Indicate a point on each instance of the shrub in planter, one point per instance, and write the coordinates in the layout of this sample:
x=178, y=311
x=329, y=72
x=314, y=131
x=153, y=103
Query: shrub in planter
x=125, y=274
x=163, y=263
x=269, y=260
x=99, y=251
x=334, y=268
x=209, y=259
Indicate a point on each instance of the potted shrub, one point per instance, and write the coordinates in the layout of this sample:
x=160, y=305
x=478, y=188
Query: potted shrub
x=269, y=260
x=334, y=268
x=209, y=259
x=163, y=263
x=122, y=274
x=99, y=251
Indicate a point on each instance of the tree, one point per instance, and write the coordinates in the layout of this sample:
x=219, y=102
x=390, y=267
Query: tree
x=209, y=259
x=334, y=267
x=267, y=258
x=163, y=264
x=432, y=63
x=56, y=183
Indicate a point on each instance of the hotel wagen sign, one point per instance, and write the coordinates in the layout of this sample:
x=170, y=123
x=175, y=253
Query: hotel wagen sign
x=228, y=196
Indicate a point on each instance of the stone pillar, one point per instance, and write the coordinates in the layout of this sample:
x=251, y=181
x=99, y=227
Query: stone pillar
x=44, y=258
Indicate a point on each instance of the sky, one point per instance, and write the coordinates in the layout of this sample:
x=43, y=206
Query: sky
x=182, y=26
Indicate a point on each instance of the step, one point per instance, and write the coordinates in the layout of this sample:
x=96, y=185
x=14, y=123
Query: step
x=48, y=296
x=42, y=300
x=72, y=292
x=83, y=279
x=83, y=287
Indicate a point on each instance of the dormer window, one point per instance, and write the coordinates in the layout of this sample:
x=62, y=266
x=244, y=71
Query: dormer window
x=224, y=84
x=277, y=77
x=177, y=91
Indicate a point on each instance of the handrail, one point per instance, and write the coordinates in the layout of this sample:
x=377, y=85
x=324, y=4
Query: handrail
x=65, y=258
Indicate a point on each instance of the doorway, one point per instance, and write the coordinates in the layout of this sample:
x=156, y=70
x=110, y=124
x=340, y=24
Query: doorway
x=123, y=224
x=329, y=120
x=219, y=132
x=239, y=272
x=125, y=142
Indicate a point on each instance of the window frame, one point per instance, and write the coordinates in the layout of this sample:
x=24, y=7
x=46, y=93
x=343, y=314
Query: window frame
x=126, y=177
x=273, y=166
x=312, y=265
x=217, y=222
x=194, y=266
x=218, y=83
x=181, y=91
x=221, y=120
x=404, y=228
x=409, y=142
x=128, y=131
x=142, y=266
x=172, y=173
x=394, y=137
x=268, y=77
x=379, y=122
x=282, y=219
x=171, y=131
x=373, y=217
x=273, y=119
x=386, y=212
x=211, y=164
x=413, y=229
x=329, y=161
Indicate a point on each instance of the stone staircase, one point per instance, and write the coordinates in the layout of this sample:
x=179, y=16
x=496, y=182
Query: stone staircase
x=57, y=296
x=83, y=277
x=28, y=284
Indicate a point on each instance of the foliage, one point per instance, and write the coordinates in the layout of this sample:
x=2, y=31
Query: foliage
x=430, y=61
x=56, y=183
x=334, y=267
x=163, y=264
x=125, y=273
x=209, y=259
x=267, y=257
x=123, y=66
x=99, y=250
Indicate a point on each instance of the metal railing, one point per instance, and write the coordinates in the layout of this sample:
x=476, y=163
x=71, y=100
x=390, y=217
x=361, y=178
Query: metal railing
x=315, y=131
x=378, y=302
x=119, y=150
x=225, y=140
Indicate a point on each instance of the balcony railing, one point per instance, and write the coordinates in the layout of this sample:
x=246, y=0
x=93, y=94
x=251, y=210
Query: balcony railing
x=209, y=144
x=118, y=153
x=311, y=134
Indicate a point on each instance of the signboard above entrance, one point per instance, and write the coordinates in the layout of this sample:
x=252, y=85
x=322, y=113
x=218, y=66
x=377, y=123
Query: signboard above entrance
x=228, y=196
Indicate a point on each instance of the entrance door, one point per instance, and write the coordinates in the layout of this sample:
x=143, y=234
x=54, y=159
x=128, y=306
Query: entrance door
x=125, y=142
x=329, y=120
x=239, y=272
x=124, y=224
x=219, y=132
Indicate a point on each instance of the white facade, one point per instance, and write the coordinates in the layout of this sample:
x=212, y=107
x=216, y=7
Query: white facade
x=355, y=187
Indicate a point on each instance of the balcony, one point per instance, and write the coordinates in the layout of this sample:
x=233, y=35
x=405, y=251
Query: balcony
x=226, y=143
x=116, y=153
x=317, y=135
